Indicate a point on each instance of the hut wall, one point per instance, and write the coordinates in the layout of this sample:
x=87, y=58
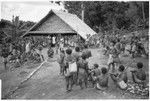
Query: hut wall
x=55, y=25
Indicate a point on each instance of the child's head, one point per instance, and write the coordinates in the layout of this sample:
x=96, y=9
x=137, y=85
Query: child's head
x=77, y=49
x=96, y=65
x=139, y=65
x=85, y=46
x=83, y=56
x=69, y=51
x=104, y=70
x=121, y=68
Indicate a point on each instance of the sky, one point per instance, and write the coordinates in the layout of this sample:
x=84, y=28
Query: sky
x=27, y=10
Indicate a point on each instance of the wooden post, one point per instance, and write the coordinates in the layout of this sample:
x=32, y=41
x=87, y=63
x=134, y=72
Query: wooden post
x=67, y=40
x=82, y=13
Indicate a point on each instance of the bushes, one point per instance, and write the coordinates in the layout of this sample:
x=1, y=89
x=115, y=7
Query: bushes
x=50, y=52
x=5, y=51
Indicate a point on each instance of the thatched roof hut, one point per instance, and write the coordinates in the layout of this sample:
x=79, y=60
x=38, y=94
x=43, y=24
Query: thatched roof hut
x=59, y=22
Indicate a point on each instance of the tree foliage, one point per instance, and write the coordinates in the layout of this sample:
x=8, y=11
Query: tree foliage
x=15, y=28
x=110, y=15
x=10, y=32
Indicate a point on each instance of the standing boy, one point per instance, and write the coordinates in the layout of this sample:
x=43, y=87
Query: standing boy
x=61, y=62
x=83, y=71
x=102, y=83
x=68, y=76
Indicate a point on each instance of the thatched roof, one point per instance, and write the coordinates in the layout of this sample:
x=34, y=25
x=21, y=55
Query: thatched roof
x=77, y=25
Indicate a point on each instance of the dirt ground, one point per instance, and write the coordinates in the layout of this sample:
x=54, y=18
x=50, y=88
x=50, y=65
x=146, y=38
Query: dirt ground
x=48, y=84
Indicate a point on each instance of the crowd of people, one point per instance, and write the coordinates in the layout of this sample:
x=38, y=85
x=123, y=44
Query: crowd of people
x=133, y=45
x=74, y=66
x=24, y=50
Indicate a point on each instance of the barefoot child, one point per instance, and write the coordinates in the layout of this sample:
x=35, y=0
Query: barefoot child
x=95, y=74
x=102, y=83
x=113, y=56
x=120, y=78
x=139, y=75
x=68, y=75
x=87, y=52
x=139, y=85
x=83, y=71
x=61, y=62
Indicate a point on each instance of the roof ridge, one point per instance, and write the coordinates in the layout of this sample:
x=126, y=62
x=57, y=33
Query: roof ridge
x=62, y=12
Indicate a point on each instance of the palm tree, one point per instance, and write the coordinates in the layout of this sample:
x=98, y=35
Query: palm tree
x=15, y=29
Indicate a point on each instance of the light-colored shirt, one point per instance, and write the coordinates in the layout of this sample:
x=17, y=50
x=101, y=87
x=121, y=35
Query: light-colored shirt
x=27, y=47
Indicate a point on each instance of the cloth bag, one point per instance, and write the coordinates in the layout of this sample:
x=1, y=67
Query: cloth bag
x=73, y=67
x=122, y=84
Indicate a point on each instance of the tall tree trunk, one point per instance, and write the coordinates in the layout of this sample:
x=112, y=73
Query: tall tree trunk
x=143, y=14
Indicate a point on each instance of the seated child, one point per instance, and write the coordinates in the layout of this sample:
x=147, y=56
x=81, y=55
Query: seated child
x=120, y=78
x=102, y=83
x=87, y=52
x=139, y=75
x=95, y=73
